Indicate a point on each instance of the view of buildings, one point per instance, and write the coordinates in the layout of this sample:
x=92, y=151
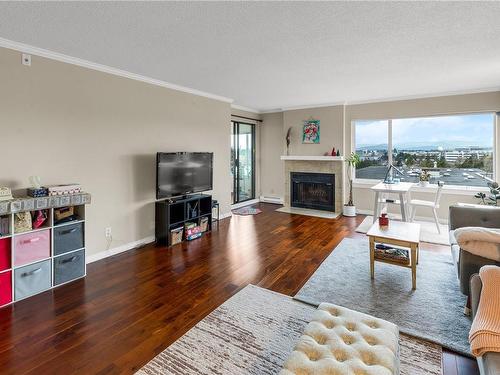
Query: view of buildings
x=457, y=150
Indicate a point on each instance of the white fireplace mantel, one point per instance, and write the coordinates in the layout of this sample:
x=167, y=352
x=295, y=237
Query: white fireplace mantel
x=316, y=158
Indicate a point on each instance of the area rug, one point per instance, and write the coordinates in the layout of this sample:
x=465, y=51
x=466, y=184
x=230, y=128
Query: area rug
x=247, y=211
x=428, y=231
x=254, y=332
x=434, y=311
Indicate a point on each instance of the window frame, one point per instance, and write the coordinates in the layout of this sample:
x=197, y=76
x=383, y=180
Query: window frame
x=358, y=182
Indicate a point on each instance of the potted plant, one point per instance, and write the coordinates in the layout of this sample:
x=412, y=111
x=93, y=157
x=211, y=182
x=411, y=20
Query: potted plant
x=352, y=161
x=494, y=196
x=424, y=178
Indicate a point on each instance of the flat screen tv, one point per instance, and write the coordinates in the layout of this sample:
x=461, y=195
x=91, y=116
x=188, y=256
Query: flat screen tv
x=181, y=173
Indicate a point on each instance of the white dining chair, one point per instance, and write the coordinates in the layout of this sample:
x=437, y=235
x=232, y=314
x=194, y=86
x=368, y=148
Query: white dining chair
x=434, y=205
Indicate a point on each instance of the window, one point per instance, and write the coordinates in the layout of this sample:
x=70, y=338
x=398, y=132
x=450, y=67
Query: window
x=455, y=149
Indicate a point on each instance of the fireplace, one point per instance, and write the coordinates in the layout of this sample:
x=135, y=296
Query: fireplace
x=312, y=190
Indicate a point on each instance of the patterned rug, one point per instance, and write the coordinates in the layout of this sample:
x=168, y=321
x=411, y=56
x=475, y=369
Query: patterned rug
x=433, y=312
x=247, y=211
x=254, y=332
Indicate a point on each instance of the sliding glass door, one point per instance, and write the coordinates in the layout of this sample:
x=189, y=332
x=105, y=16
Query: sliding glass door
x=242, y=161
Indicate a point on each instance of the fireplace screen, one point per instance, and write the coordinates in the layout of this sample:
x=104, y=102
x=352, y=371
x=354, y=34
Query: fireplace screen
x=313, y=190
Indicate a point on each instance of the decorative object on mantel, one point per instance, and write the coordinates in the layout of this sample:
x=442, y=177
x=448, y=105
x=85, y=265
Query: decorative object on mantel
x=310, y=133
x=5, y=194
x=352, y=161
x=333, y=152
x=288, y=139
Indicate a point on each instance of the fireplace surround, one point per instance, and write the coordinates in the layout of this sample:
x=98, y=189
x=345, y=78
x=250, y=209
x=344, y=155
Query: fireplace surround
x=333, y=165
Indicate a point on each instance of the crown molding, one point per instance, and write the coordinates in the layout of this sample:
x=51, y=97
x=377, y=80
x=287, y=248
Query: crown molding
x=246, y=109
x=333, y=104
x=384, y=100
x=424, y=96
x=26, y=48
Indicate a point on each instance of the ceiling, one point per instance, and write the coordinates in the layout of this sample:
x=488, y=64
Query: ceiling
x=271, y=55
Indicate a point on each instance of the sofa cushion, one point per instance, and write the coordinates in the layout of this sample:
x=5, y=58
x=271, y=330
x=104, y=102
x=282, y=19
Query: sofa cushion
x=342, y=341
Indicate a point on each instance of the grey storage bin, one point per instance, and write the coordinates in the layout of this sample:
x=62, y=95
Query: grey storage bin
x=68, y=238
x=68, y=267
x=32, y=279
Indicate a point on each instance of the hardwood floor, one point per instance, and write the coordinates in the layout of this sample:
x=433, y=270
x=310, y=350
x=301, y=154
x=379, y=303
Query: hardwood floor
x=132, y=306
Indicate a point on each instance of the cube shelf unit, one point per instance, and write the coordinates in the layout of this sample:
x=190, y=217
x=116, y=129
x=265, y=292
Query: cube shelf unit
x=173, y=214
x=38, y=260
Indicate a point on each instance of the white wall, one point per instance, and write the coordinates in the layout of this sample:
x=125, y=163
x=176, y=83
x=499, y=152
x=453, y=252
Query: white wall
x=272, y=146
x=70, y=124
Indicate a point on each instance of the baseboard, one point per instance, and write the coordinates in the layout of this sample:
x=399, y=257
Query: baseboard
x=273, y=200
x=131, y=245
x=418, y=218
x=243, y=204
x=119, y=249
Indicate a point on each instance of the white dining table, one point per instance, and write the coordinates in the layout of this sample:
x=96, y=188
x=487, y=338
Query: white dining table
x=401, y=189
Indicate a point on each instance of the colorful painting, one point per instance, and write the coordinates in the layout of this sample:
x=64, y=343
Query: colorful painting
x=311, y=131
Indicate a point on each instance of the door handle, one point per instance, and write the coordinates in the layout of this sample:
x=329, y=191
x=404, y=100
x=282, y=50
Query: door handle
x=68, y=231
x=31, y=273
x=69, y=260
x=31, y=240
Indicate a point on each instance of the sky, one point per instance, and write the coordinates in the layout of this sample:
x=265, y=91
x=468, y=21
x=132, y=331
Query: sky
x=470, y=130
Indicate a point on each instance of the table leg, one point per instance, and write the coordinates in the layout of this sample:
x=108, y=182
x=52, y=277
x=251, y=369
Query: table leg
x=372, y=257
x=414, y=266
x=402, y=204
x=375, y=207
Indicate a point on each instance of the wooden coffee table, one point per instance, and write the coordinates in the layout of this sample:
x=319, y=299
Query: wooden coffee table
x=400, y=234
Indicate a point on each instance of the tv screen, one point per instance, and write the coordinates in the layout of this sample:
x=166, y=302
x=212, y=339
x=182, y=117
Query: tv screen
x=180, y=173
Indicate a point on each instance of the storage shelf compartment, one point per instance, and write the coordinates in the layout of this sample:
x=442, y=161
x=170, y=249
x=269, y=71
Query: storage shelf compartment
x=5, y=254
x=192, y=210
x=69, y=267
x=19, y=229
x=68, y=238
x=32, y=279
x=5, y=288
x=68, y=215
x=205, y=206
x=177, y=212
x=5, y=226
x=31, y=247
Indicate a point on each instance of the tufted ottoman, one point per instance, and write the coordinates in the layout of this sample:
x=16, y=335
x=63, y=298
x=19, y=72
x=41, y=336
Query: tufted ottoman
x=339, y=341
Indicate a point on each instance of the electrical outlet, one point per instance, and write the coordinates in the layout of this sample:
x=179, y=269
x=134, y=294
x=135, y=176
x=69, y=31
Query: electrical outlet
x=26, y=59
x=107, y=232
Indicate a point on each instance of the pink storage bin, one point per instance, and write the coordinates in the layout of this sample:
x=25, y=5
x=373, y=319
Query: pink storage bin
x=5, y=288
x=31, y=247
x=4, y=254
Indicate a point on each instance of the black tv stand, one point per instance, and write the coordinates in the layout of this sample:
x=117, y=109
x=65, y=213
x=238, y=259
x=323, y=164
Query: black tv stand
x=174, y=213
